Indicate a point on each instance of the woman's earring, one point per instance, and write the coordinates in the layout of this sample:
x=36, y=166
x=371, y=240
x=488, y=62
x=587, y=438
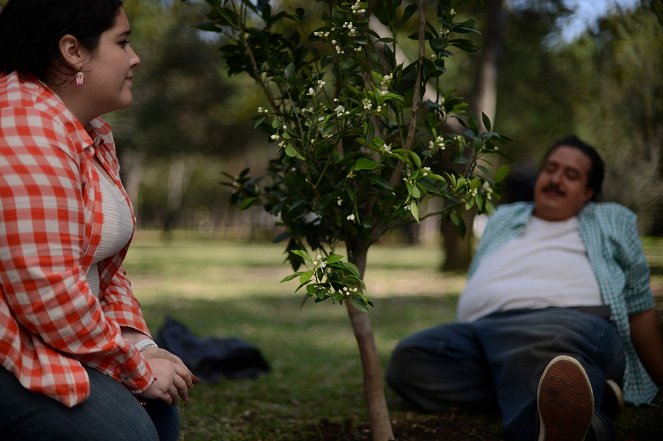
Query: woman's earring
x=79, y=78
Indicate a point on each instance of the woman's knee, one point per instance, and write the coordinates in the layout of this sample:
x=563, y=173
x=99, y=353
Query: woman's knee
x=37, y=417
x=115, y=412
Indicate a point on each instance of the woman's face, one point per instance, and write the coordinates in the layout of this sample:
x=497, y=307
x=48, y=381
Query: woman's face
x=109, y=69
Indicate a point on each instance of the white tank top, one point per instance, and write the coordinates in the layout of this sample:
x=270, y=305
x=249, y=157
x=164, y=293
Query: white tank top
x=116, y=230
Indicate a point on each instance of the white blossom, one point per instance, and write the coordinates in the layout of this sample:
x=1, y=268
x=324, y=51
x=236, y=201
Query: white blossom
x=357, y=9
x=438, y=143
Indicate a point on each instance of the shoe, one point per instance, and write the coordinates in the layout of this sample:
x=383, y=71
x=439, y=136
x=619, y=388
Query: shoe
x=613, y=399
x=565, y=401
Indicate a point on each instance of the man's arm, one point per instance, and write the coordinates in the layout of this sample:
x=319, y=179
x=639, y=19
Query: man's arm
x=648, y=342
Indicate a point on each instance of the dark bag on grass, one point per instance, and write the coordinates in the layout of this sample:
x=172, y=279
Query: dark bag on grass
x=210, y=358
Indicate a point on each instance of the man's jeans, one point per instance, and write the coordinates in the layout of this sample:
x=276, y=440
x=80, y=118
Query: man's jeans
x=496, y=362
x=111, y=413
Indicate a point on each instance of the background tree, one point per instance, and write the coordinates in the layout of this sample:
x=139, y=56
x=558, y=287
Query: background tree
x=483, y=100
x=618, y=103
x=186, y=112
x=358, y=148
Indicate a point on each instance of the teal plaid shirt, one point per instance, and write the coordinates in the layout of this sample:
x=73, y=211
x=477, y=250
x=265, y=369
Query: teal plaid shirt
x=609, y=232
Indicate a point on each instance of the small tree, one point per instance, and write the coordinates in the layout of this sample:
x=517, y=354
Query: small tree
x=358, y=147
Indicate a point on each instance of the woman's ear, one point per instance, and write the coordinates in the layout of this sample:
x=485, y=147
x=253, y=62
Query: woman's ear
x=73, y=53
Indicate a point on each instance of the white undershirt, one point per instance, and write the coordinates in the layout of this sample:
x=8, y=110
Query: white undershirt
x=546, y=266
x=116, y=230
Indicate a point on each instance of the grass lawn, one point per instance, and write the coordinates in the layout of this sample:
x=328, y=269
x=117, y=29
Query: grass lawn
x=314, y=391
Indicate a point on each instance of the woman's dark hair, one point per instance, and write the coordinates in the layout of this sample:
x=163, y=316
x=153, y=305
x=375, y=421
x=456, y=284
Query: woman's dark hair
x=596, y=172
x=30, y=31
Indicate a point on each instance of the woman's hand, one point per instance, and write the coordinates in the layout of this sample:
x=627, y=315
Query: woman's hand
x=169, y=386
x=183, y=379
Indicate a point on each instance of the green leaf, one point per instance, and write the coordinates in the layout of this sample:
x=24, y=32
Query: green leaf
x=303, y=254
x=306, y=276
x=436, y=177
x=409, y=12
x=415, y=158
x=352, y=268
x=414, y=209
x=292, y=152
x=258, y=122
x=502, y=172
x=413, y=191
x=246, y=203
x=290, y=277
x=365, y=164
x=359, y=303
x=289, y=70
x=486, y=121
x=312, y=290
x=453, y=216
x=333, y=259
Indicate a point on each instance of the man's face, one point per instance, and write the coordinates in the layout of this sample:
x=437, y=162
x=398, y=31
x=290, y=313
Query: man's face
x=561, y=187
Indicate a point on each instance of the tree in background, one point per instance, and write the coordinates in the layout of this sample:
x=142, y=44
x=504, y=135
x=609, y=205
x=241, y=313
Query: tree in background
x=186, y=112
x=494, y=16
x=618, y=104
x=357, y=146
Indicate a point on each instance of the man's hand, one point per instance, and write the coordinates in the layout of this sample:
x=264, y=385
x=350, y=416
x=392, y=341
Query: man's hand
x=648, y=342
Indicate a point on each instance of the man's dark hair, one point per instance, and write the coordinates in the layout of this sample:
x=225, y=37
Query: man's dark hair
x=30, y=31
x=596, y=171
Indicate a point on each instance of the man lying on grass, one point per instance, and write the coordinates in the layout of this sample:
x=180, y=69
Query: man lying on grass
x=557, y=315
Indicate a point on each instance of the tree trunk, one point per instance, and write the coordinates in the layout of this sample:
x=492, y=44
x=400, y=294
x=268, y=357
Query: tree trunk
x=179, y=175
x=376, y=403
x=132, y=174
x=485, y=88
x=457, y=250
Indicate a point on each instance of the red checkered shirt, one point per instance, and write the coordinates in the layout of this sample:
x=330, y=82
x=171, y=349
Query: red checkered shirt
x=51, y=217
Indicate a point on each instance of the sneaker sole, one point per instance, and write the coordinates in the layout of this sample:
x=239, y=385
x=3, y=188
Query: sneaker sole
x=565, y=401
x=613, y=399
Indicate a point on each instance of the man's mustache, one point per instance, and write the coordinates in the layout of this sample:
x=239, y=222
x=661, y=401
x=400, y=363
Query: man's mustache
x=554, y=188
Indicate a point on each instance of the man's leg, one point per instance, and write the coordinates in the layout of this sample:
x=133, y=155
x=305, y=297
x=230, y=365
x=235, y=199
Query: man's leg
x=441, y=366
x=520, y=344
x=111, y=413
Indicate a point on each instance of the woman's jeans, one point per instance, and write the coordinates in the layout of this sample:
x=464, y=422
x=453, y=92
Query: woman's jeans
x=497, y=361
x=111, y=413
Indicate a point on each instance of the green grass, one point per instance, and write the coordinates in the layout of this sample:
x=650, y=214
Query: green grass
x=232, y=289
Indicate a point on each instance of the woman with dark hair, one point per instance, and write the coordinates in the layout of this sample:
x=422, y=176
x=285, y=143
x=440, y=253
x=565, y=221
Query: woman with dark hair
x=77, y=360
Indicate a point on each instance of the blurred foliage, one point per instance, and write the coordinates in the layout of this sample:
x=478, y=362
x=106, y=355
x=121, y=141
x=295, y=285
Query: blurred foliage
x=183, y=103
x=618, y=104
